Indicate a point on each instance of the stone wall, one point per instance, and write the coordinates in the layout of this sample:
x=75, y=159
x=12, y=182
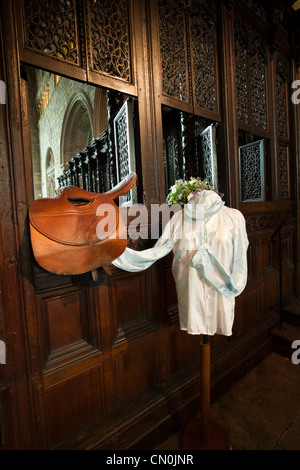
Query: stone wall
x=65, y=116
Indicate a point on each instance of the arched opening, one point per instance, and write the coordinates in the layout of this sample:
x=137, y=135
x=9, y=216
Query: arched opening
x=77, y=130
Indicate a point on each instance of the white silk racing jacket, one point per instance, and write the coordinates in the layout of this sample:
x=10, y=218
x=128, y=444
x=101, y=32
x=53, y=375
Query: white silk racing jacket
x=209, y=242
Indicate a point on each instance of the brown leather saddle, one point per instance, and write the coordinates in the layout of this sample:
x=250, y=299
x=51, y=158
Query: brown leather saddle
x=78, y=231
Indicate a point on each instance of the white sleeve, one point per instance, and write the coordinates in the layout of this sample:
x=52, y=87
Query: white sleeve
x=229, y=284
x=135, y=261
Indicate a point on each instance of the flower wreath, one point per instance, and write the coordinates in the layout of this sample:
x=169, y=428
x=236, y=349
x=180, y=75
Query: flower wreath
x=182, y=191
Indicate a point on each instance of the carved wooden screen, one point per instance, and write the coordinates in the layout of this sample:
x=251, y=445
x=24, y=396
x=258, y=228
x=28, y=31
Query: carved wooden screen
x=188, y=55
x=251, y=59
x=86, y=39
x=252, y=169
x=50, y=35
x=208, y=155
x=125, y=147
x=203, y=28
x=174, y=161
x=108, y=32
x=282, y=114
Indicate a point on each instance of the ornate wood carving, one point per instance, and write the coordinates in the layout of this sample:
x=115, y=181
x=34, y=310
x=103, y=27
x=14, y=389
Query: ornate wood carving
x=92, y=36
x=208, y=155
x=173, y=50
x=187, y=134
x=172, y=146
x=242, y=72
x=188, y=51
x=282, y=77
x=109, y=38
x=251, y=76
x=257, y=223
x=52, y=28
x=203, y=25
x=252, y=168
x=283, y=171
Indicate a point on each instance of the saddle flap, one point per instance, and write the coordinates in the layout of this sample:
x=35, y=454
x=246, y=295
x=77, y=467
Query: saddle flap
x=75, y=217
x=78, y=217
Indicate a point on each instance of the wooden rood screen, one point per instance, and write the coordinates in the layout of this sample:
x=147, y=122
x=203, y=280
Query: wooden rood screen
x=107, y=367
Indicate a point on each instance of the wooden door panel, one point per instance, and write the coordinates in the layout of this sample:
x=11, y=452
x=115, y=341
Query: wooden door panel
x=72, y=404
x=67, y=329
x=131, y=295
x=136, y=369
x=182, y=349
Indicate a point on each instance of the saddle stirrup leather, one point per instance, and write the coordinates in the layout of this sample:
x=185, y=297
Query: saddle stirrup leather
x=78, y=231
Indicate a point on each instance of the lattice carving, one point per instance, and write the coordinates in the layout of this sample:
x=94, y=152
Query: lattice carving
x=121, y=131
x=251, y=62
x=109, y=31
x=171, y=151
x=258, y=83
x=203, y=50
x=283, y=172
x=282, y=77
x=124, y=145
x=51, y=28
x=188, y=42
x=173, y=50
x=208, y=153
x=256, y=223
x=187, y=138
x=252, y=171
x=242, y=72
x=173, y=146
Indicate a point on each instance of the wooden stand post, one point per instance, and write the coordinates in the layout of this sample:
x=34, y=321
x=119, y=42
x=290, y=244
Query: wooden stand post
x=203, y=433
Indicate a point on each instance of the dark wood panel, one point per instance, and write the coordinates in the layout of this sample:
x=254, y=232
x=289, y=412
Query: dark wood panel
x=67, y=329
x=182, y=349
x=73, y=404
x=136, y=369
x=131, y=295
x=107, y=367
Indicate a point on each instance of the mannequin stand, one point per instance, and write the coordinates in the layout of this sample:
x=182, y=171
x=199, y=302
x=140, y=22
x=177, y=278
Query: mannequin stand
x=203, y=433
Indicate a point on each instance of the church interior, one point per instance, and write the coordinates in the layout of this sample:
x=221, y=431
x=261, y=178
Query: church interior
x=170, y=90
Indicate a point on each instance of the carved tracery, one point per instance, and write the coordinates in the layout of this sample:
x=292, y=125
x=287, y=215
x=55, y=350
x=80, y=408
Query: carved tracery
x=283, y=172
x=187, y=32
x=173, y=51
x=252, y=164
x=250, y=72
x=203, y=29
x=282, y=76
x=51, y=28
x=109, y=36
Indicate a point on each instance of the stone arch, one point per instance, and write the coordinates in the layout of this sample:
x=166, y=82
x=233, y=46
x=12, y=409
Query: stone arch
x=77, y=130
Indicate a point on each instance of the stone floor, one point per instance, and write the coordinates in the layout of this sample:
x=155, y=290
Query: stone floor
x=261, y=411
